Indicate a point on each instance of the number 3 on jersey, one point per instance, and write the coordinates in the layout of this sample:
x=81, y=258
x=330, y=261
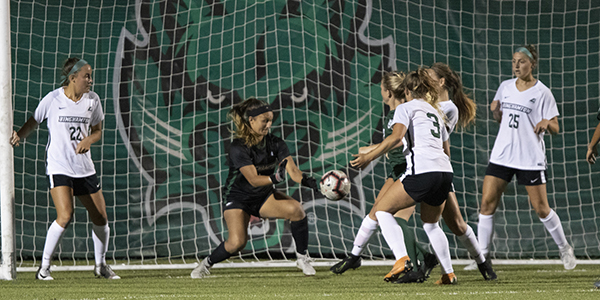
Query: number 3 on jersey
x=436, y=132
x=75, y=133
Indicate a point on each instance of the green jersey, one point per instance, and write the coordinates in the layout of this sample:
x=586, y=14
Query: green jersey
x=395, y=156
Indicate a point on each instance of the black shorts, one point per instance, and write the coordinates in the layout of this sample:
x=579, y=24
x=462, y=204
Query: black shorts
x=524, y=177
x=397, y=171
x=251, y=207
x=81, y=186
x=431, y=188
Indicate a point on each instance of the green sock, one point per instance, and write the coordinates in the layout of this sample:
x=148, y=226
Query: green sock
x=409, y=241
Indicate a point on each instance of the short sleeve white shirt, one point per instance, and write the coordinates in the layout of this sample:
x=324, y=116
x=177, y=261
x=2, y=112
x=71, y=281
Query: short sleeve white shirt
x=68, y=123
x=517, y=145
x=451, y=112
x=424, y=137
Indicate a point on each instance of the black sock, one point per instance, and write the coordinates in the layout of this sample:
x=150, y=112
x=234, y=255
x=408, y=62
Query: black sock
x=219, y=255
x=300, y=235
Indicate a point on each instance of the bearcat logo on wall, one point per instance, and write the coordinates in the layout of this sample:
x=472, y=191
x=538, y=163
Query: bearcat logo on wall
x=183, y=64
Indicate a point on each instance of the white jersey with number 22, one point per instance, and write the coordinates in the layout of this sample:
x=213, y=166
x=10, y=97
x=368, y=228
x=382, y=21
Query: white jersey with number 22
x=68, y=123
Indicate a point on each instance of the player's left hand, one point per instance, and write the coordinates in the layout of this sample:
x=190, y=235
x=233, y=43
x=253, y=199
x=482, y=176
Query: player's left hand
x=83, y=147
x=542, y=126
x=311, y=182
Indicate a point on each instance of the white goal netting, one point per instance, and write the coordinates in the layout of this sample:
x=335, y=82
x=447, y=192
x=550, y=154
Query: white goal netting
x=168, y=72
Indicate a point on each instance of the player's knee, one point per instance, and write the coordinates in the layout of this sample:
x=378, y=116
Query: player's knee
x=64, y=218
x=297, y=213
x=458, y=227
x=236, y=243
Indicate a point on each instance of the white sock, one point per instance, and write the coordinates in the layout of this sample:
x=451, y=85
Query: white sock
x=469, y=240
x=100, y=236
x=392, y=232
x=439, y=243
x=53, y=237
x=485, y=229
x=554, y=227
x=366, y=230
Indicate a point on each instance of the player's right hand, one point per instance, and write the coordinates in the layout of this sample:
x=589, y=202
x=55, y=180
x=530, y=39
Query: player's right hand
x=279, y=174
x=15, y=139
x=591, y=155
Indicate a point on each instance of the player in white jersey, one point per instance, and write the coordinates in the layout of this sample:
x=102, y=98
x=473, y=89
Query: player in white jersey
x=461, y=110
x=428, y=177
x=526, y=110
x=592, y=152
x=74, y=119
x=392, y=92
x=592, y=149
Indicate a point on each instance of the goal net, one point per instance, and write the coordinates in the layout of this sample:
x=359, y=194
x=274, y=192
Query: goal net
x=169, y=71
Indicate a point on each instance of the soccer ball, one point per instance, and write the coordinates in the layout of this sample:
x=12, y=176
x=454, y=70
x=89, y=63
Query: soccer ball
x=335, y=185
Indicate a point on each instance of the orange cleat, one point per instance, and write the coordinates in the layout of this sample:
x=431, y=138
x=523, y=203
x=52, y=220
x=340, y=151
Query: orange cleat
x=402, y=266
x=447, y=279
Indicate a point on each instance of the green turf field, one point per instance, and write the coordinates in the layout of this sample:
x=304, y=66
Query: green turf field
x=546, y=282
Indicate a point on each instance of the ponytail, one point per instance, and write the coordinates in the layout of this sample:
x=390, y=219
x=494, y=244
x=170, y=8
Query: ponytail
x=453, y=84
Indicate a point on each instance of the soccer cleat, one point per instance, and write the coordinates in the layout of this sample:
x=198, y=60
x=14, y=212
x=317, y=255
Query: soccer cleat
x=430, y=261
x=202, y=270
x=568, y=257
x=447, y=279
x=473, y=265
x=43, y=273
x=485, y=268
x=412, y=276
x=303, y=263
x=401, y=266
x=597, y=284
x=350, y=262
x=470, y=267
x=105, y=271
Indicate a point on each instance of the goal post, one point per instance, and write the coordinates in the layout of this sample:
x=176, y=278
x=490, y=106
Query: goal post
x=167, y=73
x=8, y=265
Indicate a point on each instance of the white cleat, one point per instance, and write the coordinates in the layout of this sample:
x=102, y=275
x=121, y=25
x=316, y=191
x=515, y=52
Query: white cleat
x=303, y=263
x=105, y=271
x=568, y=257
x=202, y=270
x=471, y=267
x=43, y=273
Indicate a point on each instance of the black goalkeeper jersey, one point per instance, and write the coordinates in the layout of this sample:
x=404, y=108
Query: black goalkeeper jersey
x=265, y=157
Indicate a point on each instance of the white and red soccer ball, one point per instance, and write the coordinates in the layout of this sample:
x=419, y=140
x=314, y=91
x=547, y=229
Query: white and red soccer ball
x=335, y=185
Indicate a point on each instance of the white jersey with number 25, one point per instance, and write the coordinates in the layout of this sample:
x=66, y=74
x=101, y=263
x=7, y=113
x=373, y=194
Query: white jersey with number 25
x=517, y=145
x=68, y=123
x=424, y=137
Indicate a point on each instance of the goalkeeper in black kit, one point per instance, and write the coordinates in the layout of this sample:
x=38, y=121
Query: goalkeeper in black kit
x=259, y=160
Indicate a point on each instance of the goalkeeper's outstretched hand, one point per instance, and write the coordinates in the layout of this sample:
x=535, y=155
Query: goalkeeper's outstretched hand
x=311, y=182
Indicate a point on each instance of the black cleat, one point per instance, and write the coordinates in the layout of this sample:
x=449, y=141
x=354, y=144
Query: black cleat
x=412, y=276
x=485, y=268
x=350, y=262
x=429, y=262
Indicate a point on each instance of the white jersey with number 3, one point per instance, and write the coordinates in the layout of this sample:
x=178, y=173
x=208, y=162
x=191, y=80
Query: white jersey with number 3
x=424, y=137
x=517, y=145
x=68, y=123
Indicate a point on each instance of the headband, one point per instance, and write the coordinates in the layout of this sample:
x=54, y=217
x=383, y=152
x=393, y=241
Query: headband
x=74, y=69
x=525, y=51
x=258, y=111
